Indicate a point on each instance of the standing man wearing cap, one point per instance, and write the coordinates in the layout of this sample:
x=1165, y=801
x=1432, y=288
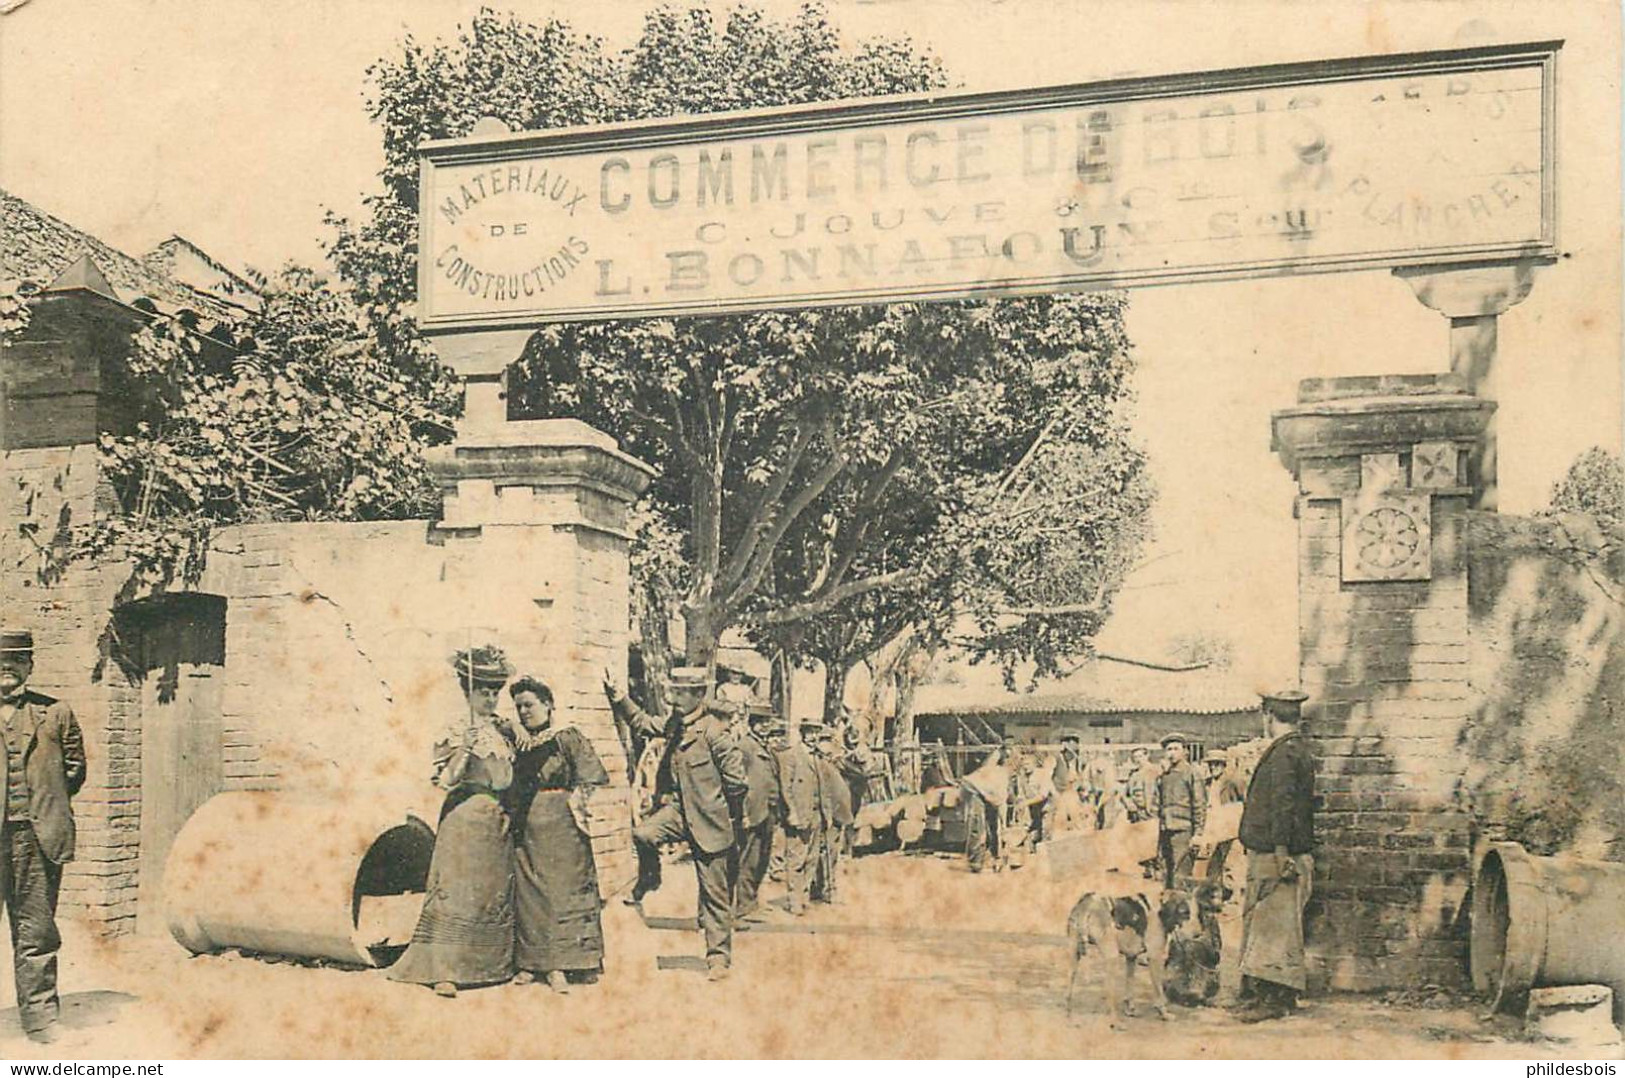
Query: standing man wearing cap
x=700, y=788
x=1181, y=800
x=1278, y=832
x=45, y=766
x=798, y=783
x=835, y=810
x=761, y=811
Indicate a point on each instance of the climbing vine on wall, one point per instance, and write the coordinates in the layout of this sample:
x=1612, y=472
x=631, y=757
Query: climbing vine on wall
x=290, y=413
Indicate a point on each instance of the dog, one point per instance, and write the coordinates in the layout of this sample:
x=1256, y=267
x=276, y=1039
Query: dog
x=1190, y=920
x=1118, y=932
x=1125, y=931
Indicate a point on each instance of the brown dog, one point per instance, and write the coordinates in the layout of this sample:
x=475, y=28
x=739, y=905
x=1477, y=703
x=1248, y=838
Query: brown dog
x=1118, y=932
x=1122, y=933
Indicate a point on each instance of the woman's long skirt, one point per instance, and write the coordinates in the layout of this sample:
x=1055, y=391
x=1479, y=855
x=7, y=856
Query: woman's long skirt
x=465, y=933
x=556, y=901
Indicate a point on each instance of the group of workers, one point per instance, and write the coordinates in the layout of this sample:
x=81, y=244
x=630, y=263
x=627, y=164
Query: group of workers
x=740, y=792
x=1019, y=797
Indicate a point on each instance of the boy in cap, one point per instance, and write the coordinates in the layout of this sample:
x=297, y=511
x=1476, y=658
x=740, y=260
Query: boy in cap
x=44, y=768
x=699, y=789
x=1181, y=801
x=1278, y=832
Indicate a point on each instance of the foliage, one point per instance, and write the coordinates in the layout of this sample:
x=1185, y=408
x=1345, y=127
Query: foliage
x=826, y=477
x=1594, y=484
x=291, y=413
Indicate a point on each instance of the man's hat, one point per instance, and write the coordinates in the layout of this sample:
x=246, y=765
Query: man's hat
x=1169, y=739
x=811, y=724
x=1070, y=736
x=16, y=641
x=689, y=677
x=1217, y=756
x=757, y=711
x=1286, y=705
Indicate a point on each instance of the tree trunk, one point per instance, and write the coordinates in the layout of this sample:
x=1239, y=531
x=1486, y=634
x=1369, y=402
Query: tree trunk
x=782, y=696
x=701, y=630
x=834, y=691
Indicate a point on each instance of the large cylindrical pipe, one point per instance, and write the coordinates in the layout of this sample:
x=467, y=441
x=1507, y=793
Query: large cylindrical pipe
x=1540, y=921
x=285, y=873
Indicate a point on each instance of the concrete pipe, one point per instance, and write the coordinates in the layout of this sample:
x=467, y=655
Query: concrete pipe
x=298, y=874
x=1541, y=921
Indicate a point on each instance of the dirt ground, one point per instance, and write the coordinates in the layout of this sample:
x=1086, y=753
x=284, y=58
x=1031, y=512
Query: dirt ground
x=920, y=958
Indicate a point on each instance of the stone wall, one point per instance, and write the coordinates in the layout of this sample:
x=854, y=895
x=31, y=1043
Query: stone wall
x=1545, y=737
x=338, y=637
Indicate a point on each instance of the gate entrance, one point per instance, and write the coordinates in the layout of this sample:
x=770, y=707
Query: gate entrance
x=178, y=646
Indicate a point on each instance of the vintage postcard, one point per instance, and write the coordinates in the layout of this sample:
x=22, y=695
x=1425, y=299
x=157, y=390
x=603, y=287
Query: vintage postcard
x=862, y=528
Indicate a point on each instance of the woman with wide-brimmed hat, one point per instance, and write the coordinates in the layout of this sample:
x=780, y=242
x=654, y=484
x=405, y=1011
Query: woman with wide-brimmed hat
x=465, y=934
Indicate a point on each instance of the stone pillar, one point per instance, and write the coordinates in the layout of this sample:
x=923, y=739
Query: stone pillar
x=1383, y=489
x=62, y=383
x=535, y=529
x=1473, y=297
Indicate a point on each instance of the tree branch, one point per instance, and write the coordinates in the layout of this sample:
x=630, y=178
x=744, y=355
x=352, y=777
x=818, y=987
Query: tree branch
x=763, y=556
x=848, y=546
x=762, y=511
x=833, y=598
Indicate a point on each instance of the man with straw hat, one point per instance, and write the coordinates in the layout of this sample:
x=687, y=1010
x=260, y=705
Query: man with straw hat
x=700, y=789
x=45, y=766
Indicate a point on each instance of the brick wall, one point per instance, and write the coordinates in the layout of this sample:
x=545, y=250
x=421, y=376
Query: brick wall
x=1385, y=664
x=1384, y=650
x=44, y=493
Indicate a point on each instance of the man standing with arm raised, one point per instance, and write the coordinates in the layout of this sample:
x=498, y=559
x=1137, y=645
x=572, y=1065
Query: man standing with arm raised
x=701, y=788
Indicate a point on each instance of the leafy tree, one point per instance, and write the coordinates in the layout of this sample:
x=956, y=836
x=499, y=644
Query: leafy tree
x=826, y=477
x=1594, y=484
x=290, y=413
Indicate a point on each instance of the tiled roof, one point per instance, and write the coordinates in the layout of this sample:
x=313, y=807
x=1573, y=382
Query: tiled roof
x=37, y=248
x=182, y=261
x=1095, y=687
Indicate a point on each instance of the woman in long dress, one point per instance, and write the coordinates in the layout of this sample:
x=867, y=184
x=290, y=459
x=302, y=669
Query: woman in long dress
x=556, y=899
x=465, y=933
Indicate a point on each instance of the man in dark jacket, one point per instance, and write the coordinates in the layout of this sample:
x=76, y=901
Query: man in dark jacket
x=798, y=786
x=702, y=783
x=1181, y=801
x=761, y=811
x=45, y=766
x=1278, y=832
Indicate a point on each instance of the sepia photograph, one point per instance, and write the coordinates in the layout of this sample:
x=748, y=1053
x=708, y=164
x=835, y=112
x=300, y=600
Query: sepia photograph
x=812, y=529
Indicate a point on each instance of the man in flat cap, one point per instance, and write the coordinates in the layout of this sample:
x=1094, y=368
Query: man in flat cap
x=798, y=782
x=1181, y=806
x=700, y=789
x=45, y=766
x=1278, y=832
x=834, y=810
x=761, y=809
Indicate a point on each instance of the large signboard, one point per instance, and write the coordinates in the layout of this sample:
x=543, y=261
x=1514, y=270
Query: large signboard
x=1351, y=164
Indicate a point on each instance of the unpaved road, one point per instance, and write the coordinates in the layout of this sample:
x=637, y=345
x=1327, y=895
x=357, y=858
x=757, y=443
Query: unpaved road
x=921, y=959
